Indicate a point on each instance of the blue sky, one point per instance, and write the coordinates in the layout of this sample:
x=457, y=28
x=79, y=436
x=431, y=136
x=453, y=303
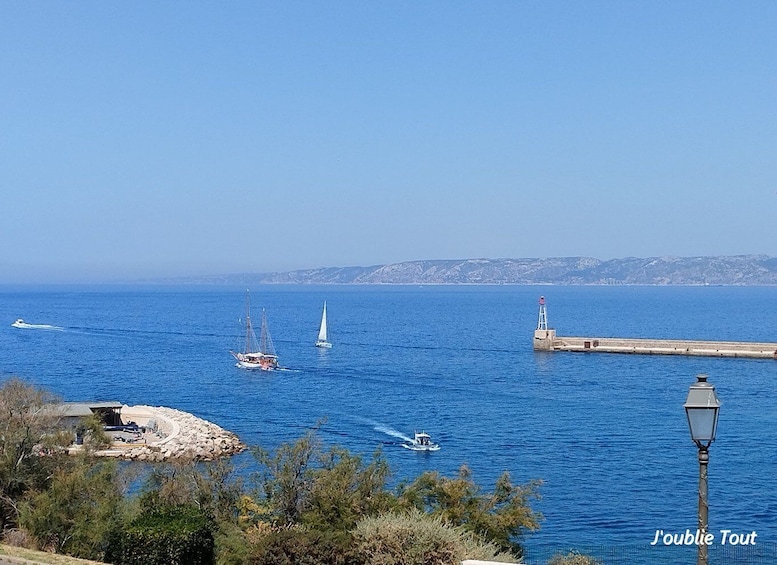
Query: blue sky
x=146, y=139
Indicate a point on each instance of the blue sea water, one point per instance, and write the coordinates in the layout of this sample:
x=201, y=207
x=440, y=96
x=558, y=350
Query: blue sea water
x=606, y=433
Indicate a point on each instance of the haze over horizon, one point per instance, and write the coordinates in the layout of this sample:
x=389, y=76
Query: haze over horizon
x=177, y=139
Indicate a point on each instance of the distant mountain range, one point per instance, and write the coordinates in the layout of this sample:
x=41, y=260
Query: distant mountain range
x=738, y=270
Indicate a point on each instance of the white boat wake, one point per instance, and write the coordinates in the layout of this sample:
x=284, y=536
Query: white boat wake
x=24, y=325
x=391, y=431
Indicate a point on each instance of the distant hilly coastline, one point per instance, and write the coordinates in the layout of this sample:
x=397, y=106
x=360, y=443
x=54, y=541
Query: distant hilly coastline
x=737, y=270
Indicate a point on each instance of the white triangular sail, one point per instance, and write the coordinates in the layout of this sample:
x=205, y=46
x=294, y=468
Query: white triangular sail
x=322, y=337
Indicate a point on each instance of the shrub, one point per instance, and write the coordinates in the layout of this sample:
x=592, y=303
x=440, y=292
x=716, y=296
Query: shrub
x=78, y=512
x=415, y=538
x=19, y=537
x=297, y=545
x=29, y=418
x=573, y=558
x=345, y=489
x=501, y=517
x=179, y=535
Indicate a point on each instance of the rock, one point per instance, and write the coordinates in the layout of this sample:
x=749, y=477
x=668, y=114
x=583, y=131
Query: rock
x=179, y=435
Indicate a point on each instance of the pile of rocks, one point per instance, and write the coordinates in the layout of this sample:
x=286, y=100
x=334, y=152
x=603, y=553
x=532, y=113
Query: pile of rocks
x=171, y=434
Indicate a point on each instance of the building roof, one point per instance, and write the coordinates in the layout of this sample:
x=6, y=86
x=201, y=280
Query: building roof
x=79, y=409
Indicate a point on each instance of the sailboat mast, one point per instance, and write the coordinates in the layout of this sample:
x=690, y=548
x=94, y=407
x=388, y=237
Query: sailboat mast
x=248, y=322
x=263, y=336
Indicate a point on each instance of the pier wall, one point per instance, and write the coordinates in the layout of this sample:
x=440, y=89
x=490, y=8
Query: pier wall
x=546, y=340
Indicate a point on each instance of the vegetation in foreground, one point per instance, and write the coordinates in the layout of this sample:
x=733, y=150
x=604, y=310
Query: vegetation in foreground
x=305, y=506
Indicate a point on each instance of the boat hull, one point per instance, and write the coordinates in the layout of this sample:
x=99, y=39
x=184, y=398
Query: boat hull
x=253, y=366
x=324, y=344
x=260, y=362
x=421, y=442
x=433, y=447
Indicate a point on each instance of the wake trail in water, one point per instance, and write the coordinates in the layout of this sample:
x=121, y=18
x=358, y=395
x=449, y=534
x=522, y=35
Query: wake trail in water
x=388, y=430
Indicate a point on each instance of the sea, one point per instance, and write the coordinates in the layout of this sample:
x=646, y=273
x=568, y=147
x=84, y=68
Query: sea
x=605, y=433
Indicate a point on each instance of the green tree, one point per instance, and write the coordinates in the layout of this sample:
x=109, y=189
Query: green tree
x=501, y=517
x=286, y=478
x=29, y=427
x=79, y=510
x=213, y=489
x=211, y=486
x=93, y=433
x=344, y=489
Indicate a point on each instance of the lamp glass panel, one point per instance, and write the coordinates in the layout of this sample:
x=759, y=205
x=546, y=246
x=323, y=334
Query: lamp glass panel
x=702, y=422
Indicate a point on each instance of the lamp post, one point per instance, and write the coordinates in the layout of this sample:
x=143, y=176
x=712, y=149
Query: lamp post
x=702, y=408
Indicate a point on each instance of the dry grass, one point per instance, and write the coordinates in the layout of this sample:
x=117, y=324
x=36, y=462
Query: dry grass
x=26, y=556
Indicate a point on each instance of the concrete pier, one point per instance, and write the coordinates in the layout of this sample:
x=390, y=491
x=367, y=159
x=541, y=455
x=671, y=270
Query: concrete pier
x=547, y=340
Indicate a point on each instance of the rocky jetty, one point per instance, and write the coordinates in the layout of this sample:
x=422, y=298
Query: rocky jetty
x=168, y=434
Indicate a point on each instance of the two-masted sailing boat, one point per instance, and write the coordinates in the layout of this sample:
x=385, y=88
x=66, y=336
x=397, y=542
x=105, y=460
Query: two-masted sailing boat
x=322, y=339
x=256, y=354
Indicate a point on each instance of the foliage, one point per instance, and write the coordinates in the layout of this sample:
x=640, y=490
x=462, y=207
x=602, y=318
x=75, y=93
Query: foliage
x=414, y=538
x=210, y=486
x=94, y=436
x=573, y=558
x=298, y=545
x=344, y=489
x=310, y=507
x=78, y=511
x=173, y=535
x=286, y=478
x=29, y=427
x=501, y=517
x=231, y=544
x=300, y=484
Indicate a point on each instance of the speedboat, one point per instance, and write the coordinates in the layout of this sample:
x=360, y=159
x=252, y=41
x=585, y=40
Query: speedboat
x=421, y=442
x=19, y=323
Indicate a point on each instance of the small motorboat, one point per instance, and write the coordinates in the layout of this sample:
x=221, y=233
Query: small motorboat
x=19, y=323
x=421, y=442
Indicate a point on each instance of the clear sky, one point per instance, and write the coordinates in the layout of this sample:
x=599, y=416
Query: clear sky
x=164, y=138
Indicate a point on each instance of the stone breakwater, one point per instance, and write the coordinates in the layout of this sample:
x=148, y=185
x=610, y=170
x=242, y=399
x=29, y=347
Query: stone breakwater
x=172, y=435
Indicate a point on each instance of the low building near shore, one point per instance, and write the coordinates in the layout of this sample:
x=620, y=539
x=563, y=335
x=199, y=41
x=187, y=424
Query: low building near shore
x=73, y=412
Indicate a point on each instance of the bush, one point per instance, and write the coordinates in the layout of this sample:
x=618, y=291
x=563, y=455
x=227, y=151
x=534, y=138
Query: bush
x=572, y=558
x=19, y=537
x=231, y=545
x=418, y=539
x=29, y=418
x=179, y=535
x=501, y=517
x=78, y=511
x=297, y=545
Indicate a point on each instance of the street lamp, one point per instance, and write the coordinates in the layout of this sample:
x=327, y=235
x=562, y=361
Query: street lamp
x=702, y=408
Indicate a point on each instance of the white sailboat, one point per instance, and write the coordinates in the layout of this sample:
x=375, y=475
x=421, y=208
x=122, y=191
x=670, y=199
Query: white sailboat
x=256, y=354
x=322, y=338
